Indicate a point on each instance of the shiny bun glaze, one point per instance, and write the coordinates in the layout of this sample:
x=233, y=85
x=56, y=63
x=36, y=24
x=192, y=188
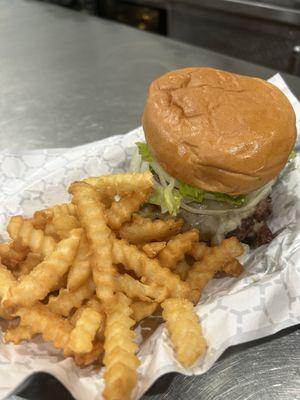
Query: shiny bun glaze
x=219, y=131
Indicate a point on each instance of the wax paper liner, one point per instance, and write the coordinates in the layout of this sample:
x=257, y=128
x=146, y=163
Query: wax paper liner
x=264, y=300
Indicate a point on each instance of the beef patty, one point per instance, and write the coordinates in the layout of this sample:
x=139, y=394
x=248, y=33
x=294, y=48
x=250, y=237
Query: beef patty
x=254, y=230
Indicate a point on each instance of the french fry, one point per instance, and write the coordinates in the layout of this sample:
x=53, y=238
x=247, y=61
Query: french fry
x=122, y=184
x=87, y=325
x=23, y=231
x=7, y=280
x=91, y=215
x=61, y=226
x=65, y=301
x=42, y=217
x=30, y=262
x=80, y=270
x=11, y=255
x=121, y=363
x=61, y=283
x=52, y=327
x=136, y=289
x=144, y=230
x=185, y=330
x=18, y=334
x=233, y=268
x=198, y=250
x=92, y=357
x=6, y=314
x=177, y=247
x=122, y=210
x=93, y=303
x=154, y=248
x=148, y=269
x=37, y=284
x=142, y=309
x=214, y=261
x=182, y=269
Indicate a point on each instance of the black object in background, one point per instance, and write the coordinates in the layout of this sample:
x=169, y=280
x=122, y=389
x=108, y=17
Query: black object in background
x=41, y=386
x=141, y=16
x=89, y=6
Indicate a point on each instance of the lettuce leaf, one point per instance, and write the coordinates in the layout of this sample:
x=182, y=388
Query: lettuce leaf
x=168, y=199
x=198, y=195
x=237, y=200
x=292, y=155
x=144, y=152
x=191, y=192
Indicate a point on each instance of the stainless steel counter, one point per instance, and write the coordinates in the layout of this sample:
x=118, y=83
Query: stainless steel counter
x=67, y=79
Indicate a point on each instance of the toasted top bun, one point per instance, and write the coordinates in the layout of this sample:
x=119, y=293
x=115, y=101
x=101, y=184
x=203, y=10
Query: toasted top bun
x=219, y=131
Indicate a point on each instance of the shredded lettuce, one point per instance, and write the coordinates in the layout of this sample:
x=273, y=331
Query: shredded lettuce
x=237, y=200
x=292, y=155
x=144, y=152
x=191, y=192
x=169, y=199
x=169, y=192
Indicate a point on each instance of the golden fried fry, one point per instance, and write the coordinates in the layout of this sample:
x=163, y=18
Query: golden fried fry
x=61, y=226
x=234, y=268
x=61, y=283
x=91, y=215
x=23, y=231
x=42, y=217
x=154, y=248
x=89, y=358
x=213, y=261
x=136, y=289
x=145, y=230
x=11, y=254
x=6, y=314
x=182, y=269
x=30, y=262
x=185, y=330
x=51, y=326
x=37, y=284
x=198, y=250
x=7, y=280
x=177, y=247
x=93, y=303
x=18, y=334
x=148, y=269
x=80, y=270
x=120, y=375
x=87, y=325
x=122, y=210
x=122, y=184
x=66, y=300
x=142, y=309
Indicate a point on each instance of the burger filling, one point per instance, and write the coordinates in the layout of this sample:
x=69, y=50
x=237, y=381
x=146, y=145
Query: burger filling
x=218, y=215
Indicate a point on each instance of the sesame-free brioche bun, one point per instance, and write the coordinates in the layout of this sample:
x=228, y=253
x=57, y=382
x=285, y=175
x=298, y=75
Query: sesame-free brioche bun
x=219, y=131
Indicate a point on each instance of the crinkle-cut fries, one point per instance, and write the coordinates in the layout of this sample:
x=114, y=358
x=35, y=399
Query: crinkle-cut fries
x=83, y=274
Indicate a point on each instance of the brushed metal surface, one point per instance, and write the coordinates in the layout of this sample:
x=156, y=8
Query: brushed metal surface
x=67, y=79
x=285, y=11
x=264, y=369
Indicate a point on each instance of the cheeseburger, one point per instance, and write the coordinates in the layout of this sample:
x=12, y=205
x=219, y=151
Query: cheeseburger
x=215, y=143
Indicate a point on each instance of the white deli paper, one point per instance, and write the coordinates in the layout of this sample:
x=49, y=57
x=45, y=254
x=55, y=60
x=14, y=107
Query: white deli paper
x=264, y=300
